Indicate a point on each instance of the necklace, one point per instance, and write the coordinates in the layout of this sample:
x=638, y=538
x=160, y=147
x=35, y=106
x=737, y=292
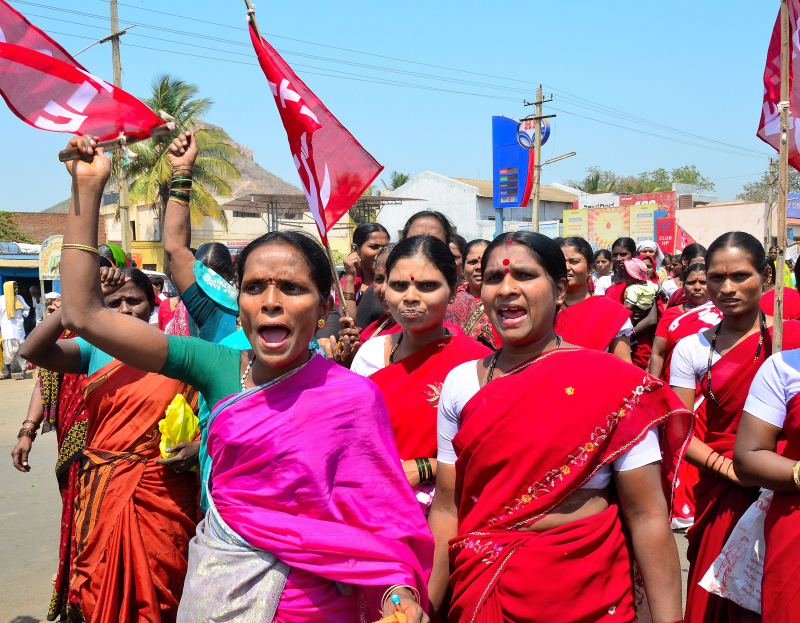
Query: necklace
x=714, y=341
x=247, y=371
x=394, y=349
x=490, y=371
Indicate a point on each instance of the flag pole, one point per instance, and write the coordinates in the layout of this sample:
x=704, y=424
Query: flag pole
x=783, y=181
x=251, y=16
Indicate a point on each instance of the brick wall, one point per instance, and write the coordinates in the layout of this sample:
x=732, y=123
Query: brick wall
x=42, y=225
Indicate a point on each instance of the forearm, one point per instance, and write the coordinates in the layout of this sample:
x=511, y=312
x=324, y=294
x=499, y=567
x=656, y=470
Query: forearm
x=444, y=526
x=177, y=243
x=621, y=347
x=42, y=339
x=656, y=362
x=657, y=556
x=648, y=322
x=350, y=286
x=35, y=408
x=764, y=468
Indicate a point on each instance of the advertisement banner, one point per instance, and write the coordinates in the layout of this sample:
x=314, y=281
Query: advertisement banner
x=665, y=234
x=666, y=201
x=551, y=229
x=606, y=225
x=576, y=223
x=643, y=222
x=50, y=258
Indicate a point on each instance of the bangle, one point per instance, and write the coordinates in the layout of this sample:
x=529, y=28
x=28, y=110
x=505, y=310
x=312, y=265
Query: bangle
x=796, y=474
x=35, y=424
x=349, y=296
x=420, y=470
x=390, y=591
x=714, y=464
x=179, y=201
x=26, y=432
x=728, y=470
x=177, y=184
x=710, y=454
x=429, y=471
x=80, y=247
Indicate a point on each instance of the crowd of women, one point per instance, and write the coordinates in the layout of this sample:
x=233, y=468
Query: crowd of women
x=478, y=431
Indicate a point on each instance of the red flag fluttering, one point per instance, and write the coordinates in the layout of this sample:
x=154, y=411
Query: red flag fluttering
x=682, y=239
x=334, y=168
x=48, y=89
x=769, y=129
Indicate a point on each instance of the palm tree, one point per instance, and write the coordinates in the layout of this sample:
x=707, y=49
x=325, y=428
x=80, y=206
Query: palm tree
x=594, y=184
x=396, y=180
x=150, y=173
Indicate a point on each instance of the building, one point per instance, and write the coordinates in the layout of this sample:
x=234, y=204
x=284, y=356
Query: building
x=42, y=225
x=468, y=204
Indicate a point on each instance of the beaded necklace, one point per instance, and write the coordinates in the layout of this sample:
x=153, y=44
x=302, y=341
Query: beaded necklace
x=490, y=371
x=714, y=341
x=247, y=371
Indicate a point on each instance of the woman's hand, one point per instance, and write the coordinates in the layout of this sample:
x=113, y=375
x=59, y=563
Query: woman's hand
x=93, y=167
x=352, y=263
x=188, y=451
x=183, y=151
x=343, y=351
x=20, y=454
x=111, y=280
x=409, y=604
x=412, y=473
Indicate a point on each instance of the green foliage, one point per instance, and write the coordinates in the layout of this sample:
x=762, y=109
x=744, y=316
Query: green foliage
x=759, y=190
x=599, y=181
x=396, y=180
x=150, y=173
x=338, y=257
x=9, y=230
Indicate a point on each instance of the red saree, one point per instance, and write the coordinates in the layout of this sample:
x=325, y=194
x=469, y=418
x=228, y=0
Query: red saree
x=411, y=390
x=467, y=313
x=385, y=325
x=780, y=586
x=592, y=323
x=133, y=518
x=791, y=303
x=720, y=504
x=527, y=441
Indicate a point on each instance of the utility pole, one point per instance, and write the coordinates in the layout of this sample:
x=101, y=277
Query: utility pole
x=537, y=157
x=773, y=177
x=783, y=180
x=124, y=218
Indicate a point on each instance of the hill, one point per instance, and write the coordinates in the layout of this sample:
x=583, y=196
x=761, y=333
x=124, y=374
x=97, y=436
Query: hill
x=254, y=179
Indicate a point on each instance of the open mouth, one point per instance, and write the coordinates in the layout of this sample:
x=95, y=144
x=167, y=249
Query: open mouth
x=273, y=335
x=511, y=314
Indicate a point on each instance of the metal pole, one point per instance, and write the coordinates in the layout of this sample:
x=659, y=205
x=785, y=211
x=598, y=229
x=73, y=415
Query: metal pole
x=124, y=217
x=498, y=222
x=783, y=180
x=772, y=179
x=537, y=160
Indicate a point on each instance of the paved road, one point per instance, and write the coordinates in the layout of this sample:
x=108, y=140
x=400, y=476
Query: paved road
x=30, y=515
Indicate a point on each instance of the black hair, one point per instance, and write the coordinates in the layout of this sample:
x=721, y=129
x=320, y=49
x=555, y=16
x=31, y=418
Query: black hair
x=461, y=243
x=740, y=240
x=474, y=243
x=311, y=250
x=157, y=281
x=105, y=253
x=217, y=257
x=443, y=221
x=602, y=253
x=774, y=247
x=696, y=267
x=430, y=248
x=140, y=280
x=385, y=249
x=581, y=246
x=693, y=251
x=544, y=250
x=773, y=270
x=363, y=231
x=628, y=243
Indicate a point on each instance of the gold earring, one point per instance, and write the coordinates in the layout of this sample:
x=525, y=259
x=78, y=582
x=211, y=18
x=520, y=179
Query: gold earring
x=320, y=322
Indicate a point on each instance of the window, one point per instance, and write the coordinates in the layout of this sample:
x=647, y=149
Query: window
x=295, y=216
x=246, y=214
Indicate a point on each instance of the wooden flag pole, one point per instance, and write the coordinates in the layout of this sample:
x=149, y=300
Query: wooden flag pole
x=783, y=180
x=251, y=16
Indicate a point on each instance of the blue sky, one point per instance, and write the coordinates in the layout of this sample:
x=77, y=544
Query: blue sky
x=694, y=67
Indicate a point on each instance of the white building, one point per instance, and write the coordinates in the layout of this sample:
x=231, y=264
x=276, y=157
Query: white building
x=468, y=205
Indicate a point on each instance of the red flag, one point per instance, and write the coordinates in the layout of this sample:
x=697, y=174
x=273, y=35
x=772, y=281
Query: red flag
x=769, y=128
x=334, y=168
x=682, y=239
x=665, y=234
x=48, y=89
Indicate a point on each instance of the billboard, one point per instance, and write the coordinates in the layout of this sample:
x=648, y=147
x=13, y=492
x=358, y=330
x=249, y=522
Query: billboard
x=606, y=225
x=643, y=222
x=50, y=258
x=665, y=200
x=512, y=165
x=576, y=223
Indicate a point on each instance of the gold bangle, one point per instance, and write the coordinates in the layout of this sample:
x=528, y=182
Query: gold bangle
x=80, y=247
x=796, y=474
x=390, y=591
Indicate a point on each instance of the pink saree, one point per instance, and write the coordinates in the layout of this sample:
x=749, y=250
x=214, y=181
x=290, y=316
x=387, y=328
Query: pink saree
x=303, y=472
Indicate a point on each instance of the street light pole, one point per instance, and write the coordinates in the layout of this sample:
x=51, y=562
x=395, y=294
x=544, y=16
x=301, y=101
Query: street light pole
x=537, y=156
x=124, y=217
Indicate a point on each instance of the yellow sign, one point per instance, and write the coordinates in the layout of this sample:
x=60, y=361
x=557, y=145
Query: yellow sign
x=576, y=223
x=643, y=222
x=50, y=258
x=606, y=225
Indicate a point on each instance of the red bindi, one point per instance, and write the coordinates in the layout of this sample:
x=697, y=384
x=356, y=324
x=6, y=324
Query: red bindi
x=412, y=277
x=727, y=274
x=509, y=242
x=506, y=262
x=507, y=271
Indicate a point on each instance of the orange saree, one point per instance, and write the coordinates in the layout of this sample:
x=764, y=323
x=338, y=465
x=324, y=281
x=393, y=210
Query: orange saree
x=133, y=518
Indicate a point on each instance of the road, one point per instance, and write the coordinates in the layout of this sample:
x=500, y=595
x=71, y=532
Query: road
x=30, y=515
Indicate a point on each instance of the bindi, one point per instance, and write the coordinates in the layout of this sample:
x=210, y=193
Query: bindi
x=412, y=277
x=506, y=262
x=507, y=271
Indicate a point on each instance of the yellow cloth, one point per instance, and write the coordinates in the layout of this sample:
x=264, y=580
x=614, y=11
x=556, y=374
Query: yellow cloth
x=12, y=302
x=395, y=617
x=179, y=424
x=641, y=294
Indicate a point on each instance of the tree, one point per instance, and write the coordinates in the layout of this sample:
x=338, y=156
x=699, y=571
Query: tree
x=9, y=230
x=757, y=191
x=596, y=181
x=396, y=180
x=659, y=180
x=151, y=172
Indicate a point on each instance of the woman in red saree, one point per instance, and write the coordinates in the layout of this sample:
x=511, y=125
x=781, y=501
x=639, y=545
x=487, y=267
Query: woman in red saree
x=767, y=454
x=594, y=322
x=410, y=367
x=735, y=349
x=133, y=517
x=791, y=299
x=525, y=516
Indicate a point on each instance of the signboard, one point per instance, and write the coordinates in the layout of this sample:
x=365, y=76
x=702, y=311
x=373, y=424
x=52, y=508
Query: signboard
x=576, y=223
x=606, y=225
x=666, y=201
x=665, y=234
x=526, y=132
x=792, y=253
x=235, y=247
x=50, y=258
x=512, y=166
x=551, y=229
x=643, y=222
